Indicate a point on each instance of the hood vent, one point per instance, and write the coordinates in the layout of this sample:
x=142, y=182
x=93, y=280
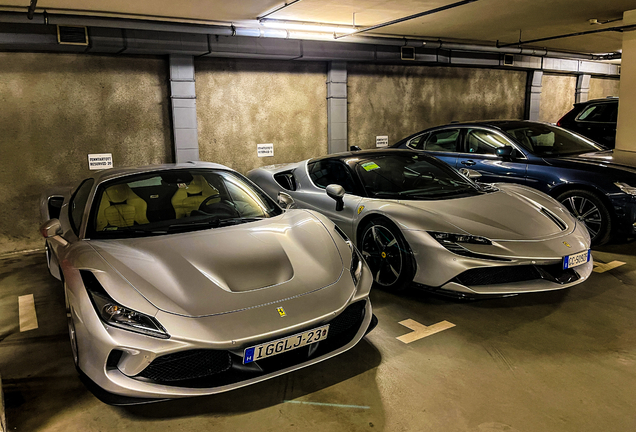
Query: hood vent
x=72, y=35
x=547, y=213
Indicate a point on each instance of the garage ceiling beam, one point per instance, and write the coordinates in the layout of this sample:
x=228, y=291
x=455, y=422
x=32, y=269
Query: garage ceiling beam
x=567, y=35
x=410, y=17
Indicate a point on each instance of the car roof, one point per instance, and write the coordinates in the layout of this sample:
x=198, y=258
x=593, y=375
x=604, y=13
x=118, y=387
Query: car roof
x=609, y=99
x=104, y=175
x=350, y=156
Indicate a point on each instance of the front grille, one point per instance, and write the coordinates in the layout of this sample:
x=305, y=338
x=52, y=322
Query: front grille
x=351, y=316
x=212, y=368
x=511, y=274
x=187, y=365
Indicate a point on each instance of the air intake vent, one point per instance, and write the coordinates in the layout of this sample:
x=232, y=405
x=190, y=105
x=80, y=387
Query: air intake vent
x=562, y=226
x=72, y=35
x=509, y=60
x=407, y=53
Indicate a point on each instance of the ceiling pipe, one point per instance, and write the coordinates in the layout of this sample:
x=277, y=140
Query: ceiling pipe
x=31, y=9
x=229, y=30
x=286, y=5
x=410, y=17
x=616, y=29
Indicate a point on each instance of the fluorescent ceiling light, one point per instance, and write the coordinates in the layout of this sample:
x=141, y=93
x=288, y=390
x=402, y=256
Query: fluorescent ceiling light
x=306, y=26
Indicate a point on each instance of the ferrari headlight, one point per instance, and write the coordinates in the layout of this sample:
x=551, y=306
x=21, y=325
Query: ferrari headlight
x=626, y=188
x=116, y=315
x=356, y=259
x=447, y=238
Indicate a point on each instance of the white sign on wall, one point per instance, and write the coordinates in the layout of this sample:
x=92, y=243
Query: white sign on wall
x=264, y=150
x=382, y=141
x=100, y=161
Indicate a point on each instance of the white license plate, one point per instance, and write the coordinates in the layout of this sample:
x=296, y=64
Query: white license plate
x=570, y=261
x=289, y=343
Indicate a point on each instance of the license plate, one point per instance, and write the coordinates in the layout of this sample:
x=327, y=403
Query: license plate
x=289, y=343
x=570, y=261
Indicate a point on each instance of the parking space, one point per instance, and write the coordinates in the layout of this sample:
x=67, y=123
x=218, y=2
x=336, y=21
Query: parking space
x=560, y=360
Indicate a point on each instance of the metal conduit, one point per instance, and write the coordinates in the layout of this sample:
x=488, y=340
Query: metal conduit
x=259, y=32
x=410, y=17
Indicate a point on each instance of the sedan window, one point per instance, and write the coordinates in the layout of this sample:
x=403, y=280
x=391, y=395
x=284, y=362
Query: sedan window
x=481, y=141
x=547, y=140
x=442, y=140
x=601, y=113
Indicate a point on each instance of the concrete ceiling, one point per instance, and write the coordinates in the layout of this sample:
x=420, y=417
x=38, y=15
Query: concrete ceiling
x=484, y=21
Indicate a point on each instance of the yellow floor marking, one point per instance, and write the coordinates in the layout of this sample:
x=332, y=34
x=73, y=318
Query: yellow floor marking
x=602, y=268
x=28, y=317
x=421, y=331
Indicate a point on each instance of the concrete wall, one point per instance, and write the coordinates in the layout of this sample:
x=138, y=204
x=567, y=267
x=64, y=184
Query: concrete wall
x=400, y=100
x=603, y=87
x=557, y=96
x=242, y=103
x=57, y=108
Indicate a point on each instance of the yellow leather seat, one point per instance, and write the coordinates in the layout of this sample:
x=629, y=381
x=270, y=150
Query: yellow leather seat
x=187, y=199
x=120, y=207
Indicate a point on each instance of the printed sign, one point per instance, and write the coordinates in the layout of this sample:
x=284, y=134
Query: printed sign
x=265, y=150
x=100, y=161
x=382, y=141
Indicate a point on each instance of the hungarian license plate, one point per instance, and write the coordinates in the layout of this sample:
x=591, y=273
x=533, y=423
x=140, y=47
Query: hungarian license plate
x=289, y=343
x=570, y=261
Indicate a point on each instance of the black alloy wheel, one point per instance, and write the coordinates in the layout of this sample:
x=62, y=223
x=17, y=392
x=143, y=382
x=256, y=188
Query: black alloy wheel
x=586, y=207
x=387, y=254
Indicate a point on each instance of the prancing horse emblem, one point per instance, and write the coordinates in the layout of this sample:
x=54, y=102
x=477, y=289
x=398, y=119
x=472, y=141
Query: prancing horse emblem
x=281, y=312
x=567, y=244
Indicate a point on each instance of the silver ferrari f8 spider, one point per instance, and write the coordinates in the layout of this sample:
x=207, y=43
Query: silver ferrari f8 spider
x=185, y=280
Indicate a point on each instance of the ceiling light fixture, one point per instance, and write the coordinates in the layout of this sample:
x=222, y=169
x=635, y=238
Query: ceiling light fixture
x=306, y=26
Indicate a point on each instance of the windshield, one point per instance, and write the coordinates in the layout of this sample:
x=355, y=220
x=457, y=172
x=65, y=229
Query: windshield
x=547, y=140
x=412, y=177
x=172, y=201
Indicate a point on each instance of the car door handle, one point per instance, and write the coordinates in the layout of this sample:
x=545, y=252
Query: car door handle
x=469, y=162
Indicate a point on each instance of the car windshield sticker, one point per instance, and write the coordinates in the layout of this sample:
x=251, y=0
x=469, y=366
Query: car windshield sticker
x=370, y=166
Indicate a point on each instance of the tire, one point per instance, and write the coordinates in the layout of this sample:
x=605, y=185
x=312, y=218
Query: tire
x=587, y=207
x=388, y=255
x=71, y=329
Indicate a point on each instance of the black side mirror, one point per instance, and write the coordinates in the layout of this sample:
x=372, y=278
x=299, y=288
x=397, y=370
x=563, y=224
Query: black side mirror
x=505, y=152
x=336, y=192
x=354, y=148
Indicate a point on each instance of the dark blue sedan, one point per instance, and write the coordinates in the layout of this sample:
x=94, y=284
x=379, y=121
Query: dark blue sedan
x=598, y=186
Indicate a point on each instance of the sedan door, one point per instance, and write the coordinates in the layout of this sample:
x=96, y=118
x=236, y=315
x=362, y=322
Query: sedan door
x=480, y=154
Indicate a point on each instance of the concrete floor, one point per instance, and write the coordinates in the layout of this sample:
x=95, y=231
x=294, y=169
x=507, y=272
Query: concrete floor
x=559, y=361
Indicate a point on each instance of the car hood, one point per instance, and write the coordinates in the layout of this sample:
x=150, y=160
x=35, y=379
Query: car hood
x=512, y=213
x=227, y=269
x=620, y=159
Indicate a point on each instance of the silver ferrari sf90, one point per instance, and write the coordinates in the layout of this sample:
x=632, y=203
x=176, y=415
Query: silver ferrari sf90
x=185, y=280
x=416, y=219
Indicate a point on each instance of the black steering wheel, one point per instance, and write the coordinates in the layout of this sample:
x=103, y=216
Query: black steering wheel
x=221, y=208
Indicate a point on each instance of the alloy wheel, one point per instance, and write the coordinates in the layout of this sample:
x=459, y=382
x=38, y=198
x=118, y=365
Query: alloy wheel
x=585, y=211
x=382, y=252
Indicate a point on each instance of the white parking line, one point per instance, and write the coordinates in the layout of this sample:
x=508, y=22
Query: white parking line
x=327, y=404
x=421, y=331
x=602, y=268
x=28, y=317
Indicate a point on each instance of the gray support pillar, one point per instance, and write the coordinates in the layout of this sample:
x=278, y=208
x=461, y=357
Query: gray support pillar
x=337, y=106
x=582, y=88
x=184, y=108
x=533, y=95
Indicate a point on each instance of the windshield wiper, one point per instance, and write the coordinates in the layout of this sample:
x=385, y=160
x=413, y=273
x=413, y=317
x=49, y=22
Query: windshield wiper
x=212, y=222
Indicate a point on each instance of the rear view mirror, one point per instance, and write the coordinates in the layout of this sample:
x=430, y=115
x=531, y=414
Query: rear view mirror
x=286, y=201
x=354, y=148
x=336, y=192
x=471, y=174
x=505, y=152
